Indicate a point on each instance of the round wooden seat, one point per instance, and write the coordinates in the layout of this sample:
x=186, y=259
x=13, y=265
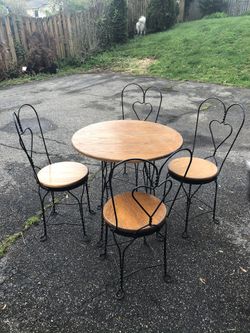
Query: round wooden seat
x=199, y=171
x=131, y=217
x=62, y=174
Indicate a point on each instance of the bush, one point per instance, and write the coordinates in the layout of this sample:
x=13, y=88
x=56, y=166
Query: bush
x=40, y=57
x=70, y=62
x=215, y=15
x=208, y=7
x=118, y=16
x=161, y=15
x=247, y=13
x=104, y=27
x=20, y=53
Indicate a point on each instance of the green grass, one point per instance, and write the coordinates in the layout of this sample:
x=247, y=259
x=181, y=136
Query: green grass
x=7, y=242
x=214, y=50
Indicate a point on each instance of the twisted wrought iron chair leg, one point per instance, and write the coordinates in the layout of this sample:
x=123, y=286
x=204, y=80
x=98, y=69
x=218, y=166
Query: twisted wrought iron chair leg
x=43, y=238
x=85, y=237
x=104, y=190
x=125, y=169
x=185, y=234
x=120, y=293
x=166, y=276
x=88, y=200
x=136, y=174
x=104, y=254
x=216, y=220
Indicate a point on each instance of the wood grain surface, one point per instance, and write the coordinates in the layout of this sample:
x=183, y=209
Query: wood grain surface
x=130, y=215
x=199, y=169
x=118, y=140
x=62, y=174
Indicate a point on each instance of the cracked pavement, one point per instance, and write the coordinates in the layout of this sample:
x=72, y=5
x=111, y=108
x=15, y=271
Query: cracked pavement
x=62, y=285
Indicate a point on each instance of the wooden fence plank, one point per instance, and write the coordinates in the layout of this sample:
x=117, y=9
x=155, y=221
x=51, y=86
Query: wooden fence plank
x=60, y=35
x=21, y=30
x=13, y=19
x=10, y=40
x=58, y=46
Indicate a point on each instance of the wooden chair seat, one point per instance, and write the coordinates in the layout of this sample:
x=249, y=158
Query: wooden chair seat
x=131, y=217
x=200, y=170
x=62, y=174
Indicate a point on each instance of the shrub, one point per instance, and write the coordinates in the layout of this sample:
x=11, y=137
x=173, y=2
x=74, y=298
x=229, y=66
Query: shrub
x=40, y=57
x=247, y=13
x=161, y=14
x=118, y=16
x=208, y=7
x=104, y=27
x=215, y=15
x=20, y=53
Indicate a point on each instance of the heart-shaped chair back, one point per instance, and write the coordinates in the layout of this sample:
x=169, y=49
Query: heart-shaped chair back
x=141, y=104
x=223, y=130
x=26, y=132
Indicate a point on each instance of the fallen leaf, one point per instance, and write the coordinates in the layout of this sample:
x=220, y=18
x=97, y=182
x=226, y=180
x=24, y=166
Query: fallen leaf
x=243, y=269
x=203, y=280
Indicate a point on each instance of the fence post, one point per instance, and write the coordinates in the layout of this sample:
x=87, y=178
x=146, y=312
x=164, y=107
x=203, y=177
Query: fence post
x=10, y=40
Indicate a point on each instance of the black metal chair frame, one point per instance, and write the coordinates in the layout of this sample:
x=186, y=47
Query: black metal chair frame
x=21, y=131
x=188, y=192
x=151, y=180
x=143, y=101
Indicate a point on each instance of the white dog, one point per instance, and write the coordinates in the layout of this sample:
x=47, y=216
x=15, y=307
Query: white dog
x=141, y=26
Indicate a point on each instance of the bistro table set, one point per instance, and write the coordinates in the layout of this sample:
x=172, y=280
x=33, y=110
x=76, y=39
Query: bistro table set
x=149, y=151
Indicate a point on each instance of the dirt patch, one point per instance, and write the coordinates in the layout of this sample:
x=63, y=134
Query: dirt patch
x=135, y=66
x=143, y=64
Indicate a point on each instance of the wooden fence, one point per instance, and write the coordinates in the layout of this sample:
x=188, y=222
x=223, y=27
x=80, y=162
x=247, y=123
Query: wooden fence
x=71, y=35
x=68, y=35
x=238, y=7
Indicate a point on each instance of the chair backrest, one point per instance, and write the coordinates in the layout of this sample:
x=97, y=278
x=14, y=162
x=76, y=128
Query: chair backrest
x=223, y=127
x=26, y=134
x=147, y=182
x=139, y=103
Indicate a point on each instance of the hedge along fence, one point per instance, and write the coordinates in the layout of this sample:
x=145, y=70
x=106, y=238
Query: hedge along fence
x=68, y=35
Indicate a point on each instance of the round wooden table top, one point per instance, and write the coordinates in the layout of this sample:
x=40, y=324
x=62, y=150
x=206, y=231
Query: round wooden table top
x=118, y=140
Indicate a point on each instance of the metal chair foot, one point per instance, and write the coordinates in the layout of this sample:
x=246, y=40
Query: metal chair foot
x=185, y=235
x=216, y=221
x=86, y=239
x=167, y=278
x=120, y=294
x=43, y=238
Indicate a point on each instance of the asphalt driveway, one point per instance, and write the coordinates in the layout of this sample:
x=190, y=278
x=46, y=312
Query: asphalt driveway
x=62, y=285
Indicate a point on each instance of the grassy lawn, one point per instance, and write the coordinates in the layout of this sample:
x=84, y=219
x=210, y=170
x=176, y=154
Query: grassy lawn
x=212, y=50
